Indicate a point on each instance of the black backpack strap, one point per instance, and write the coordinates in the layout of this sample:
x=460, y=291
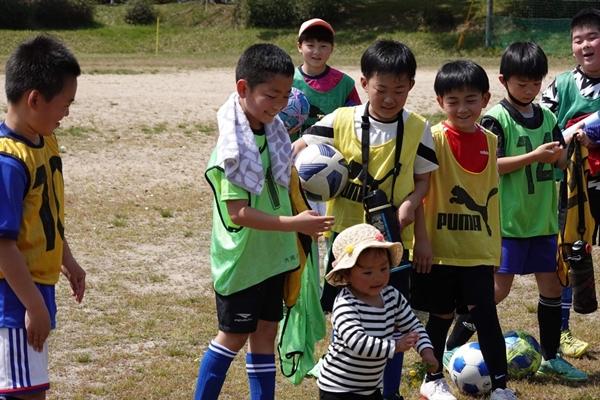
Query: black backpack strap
x=365, y=143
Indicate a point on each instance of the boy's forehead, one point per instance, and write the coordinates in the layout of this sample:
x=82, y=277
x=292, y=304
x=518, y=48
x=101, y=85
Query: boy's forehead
x=389, y=79
x=277, y=82
x=462, y=92
x=585, y=30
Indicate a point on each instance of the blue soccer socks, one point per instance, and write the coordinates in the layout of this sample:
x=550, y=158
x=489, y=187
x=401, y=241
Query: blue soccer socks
x=261, y=376
x=212, y=371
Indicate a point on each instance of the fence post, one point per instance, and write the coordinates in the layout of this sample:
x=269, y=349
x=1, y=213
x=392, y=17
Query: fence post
x=488, y=23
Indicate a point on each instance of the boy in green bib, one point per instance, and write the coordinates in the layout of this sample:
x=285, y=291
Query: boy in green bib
x=253, y=242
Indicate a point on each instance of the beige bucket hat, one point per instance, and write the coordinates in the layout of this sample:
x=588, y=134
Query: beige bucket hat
x=348, y=245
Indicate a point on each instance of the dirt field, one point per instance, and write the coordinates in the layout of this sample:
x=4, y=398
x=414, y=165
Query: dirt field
x=138, y=220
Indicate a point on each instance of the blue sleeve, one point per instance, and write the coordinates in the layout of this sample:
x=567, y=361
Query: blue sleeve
x=14, y=181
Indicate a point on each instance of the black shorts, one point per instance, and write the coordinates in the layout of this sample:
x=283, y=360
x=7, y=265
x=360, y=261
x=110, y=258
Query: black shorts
x=448, y=288
x=239, y=312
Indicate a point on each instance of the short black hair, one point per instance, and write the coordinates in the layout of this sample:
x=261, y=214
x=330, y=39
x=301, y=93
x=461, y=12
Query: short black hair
x=43, y=64
x=260, y=62
x=388, y=57
x=589, y=17
x=461, y=74
x=525, y=59
x=320, y=33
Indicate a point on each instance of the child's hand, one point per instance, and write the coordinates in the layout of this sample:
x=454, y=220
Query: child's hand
x=582, y=138
x=406, y=213
x=422, y=256
x=406, y=342
x=430, y=360
x=548, y=152
x=312, y=224
x=37, y=325
x=76, y=276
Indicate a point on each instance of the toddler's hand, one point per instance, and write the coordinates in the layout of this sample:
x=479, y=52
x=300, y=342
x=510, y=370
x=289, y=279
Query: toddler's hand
x=406, y=342
x=312, y=224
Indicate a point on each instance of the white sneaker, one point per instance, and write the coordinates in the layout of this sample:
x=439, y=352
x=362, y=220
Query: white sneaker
x=436, y=390
x=503, y=394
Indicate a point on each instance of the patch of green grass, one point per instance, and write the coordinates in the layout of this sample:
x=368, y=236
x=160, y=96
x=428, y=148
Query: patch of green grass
x=166, y=213
x=119, y=221
x=193, y=35
x=83, y=358
x=76, y=131
x=155, y=129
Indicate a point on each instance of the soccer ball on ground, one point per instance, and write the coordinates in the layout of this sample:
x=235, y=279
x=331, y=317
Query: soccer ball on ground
x=323, y=171
x=523, y=354
x=468, y=370
x=296, y=111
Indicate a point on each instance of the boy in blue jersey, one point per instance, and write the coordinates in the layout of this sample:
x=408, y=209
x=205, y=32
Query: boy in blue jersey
x=398, y=160
x=253, y=242
x=530, y=145
x=325, y=87
x=572, y=95
x=41, y=82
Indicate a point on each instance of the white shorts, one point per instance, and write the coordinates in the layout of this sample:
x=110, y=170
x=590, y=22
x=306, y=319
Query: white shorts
x=22, y=369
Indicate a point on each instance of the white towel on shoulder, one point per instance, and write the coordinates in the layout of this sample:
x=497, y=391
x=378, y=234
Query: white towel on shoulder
x=238, y=154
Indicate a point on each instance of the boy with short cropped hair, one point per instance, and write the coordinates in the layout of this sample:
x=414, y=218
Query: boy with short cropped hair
x=325, y=87
x=253, y=238
x=462, y=220
x=572, y=95
x=400, y=157
x=41, y=82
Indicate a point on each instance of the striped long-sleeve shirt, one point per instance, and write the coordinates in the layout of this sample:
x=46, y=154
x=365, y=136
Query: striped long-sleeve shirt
x=364, y=340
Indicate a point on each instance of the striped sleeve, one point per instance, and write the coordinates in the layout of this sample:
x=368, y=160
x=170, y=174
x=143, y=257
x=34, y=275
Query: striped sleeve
x=426, y=160
x=321, y=131
x=407, y=321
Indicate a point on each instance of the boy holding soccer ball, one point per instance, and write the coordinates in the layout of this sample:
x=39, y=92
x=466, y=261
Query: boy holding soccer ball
x=253, y=236
x=387, y=148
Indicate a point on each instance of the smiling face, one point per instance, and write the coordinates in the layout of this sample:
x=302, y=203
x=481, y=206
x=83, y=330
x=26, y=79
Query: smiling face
x=585, y=43
x=463, y=107
x=264, y=101
x=315, y=54
x=35, y=116
x=370, y=274
x=387, y=94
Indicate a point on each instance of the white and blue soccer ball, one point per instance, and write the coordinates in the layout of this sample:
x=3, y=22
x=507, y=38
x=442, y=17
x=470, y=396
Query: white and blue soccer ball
x=468, y=370
x=296, y=111
x=523, y=354
x=323, y=171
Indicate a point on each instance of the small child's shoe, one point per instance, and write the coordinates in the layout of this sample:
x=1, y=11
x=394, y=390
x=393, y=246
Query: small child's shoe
x=436, y=390
x=503, y=394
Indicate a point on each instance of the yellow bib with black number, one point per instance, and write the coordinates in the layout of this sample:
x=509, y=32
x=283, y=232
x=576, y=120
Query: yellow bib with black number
x=41, y=234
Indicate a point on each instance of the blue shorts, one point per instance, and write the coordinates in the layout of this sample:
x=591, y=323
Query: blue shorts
x=524, y=256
